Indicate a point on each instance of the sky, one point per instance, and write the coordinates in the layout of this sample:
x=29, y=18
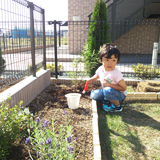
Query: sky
x=54, y=9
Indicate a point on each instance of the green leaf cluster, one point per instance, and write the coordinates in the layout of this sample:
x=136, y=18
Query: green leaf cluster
x=12, y=121
x=2, y=62
x=97, y=36
x=146, y=71
x=50, y=66
x=58, y=147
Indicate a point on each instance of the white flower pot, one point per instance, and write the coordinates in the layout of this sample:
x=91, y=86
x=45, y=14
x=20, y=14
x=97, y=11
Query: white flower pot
x=73, y=100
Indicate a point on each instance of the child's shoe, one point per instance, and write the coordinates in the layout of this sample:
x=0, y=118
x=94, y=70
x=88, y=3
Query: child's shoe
x=119, y=109
x=111, y=108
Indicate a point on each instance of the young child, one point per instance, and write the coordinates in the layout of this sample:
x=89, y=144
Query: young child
x=113, y=90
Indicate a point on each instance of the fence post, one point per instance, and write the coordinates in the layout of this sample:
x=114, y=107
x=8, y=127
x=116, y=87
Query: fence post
x=159, y=37
x=3, y=42
x=32, y=38
x=113, y=19
x=55, y=48
x=44, y=40
x=59, y=35
x=155, y=53
x=19, y=41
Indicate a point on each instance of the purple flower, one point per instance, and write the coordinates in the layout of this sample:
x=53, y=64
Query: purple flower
x=38, y=120
x=65, y=112
x=71, y=149
x=49, y=154
x=45, y=123
x=69, y=139
x=76, y=138
x=27, y=141
x=57, y=145
x=42, y=143
x=49, y=140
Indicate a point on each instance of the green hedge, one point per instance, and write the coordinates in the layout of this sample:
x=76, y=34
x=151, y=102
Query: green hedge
x=146, y=71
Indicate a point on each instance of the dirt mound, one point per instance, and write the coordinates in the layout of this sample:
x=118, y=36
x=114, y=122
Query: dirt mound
x=148, y=86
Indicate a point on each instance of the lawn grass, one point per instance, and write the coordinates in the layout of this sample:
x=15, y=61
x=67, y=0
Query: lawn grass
x=133, y=134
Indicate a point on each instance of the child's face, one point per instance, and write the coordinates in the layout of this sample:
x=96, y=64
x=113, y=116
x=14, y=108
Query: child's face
x=109, y=63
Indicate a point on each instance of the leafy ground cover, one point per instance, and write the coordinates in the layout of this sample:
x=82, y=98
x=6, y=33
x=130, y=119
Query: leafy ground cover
x=132, y=133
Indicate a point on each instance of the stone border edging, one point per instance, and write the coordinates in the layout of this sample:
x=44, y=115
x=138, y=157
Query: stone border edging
x=143, y=96
x=96, y=141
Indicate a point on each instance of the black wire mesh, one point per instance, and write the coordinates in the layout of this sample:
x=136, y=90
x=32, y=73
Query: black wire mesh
x=15, y=41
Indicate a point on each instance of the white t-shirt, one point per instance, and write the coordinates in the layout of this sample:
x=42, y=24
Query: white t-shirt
x=113, y=76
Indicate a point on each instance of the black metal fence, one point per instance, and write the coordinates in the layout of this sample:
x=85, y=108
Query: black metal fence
x=28, y=43
x=135, y=40
x=22, y=40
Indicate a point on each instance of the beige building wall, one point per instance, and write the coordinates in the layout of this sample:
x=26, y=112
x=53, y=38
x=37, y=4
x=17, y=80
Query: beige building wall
x=78, y=11
x=140, y=39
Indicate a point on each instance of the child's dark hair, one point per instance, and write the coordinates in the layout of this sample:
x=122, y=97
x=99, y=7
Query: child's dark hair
x=109, y=50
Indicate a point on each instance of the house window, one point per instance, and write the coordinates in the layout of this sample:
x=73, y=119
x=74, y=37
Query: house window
x=76, y=18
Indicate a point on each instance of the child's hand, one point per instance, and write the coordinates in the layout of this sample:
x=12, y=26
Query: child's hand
x=89, y=81
x=105, y=83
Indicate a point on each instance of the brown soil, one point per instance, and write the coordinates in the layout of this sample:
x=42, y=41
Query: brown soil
x=51, y=103
x=8, y=81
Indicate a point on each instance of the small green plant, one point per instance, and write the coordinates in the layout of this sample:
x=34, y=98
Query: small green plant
x=75, y=73
x=91, y=60
x=51, y=142
x=146, y=71
x=12, y=121
x=2, y=62
x=51, y=66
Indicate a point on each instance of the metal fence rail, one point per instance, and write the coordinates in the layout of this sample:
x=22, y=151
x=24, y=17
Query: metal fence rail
x=22, y=40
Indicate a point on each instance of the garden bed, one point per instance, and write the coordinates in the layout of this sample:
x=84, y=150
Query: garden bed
x=51, y=103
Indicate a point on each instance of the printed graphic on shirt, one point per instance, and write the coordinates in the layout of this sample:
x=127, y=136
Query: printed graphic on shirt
x=109, y=80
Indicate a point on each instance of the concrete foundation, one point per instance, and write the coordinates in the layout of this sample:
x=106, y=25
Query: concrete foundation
x=27, y=89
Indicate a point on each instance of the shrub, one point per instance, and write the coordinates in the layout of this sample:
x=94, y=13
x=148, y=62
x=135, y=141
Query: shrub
x=51, y=142
x=12, y=121
x=50, y=66
x=146, y=71
x=2, y=62
x=76, y=73
x=97, y=36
